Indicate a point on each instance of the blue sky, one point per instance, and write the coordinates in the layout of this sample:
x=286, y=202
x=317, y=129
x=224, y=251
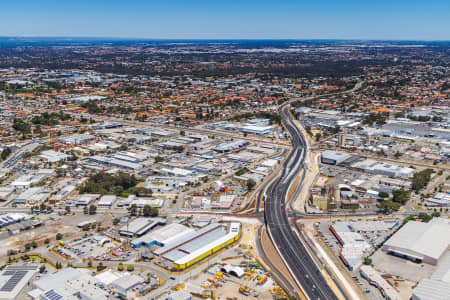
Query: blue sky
x=228, y=19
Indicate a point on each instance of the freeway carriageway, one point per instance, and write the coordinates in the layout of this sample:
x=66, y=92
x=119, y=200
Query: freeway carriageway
x=291, y=248
x=288, y=243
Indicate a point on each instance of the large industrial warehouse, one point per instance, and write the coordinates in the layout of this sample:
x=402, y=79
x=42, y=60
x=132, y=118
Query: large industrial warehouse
x=421, y=242
x=195, y=246
x=161, y=236
x=333, y=157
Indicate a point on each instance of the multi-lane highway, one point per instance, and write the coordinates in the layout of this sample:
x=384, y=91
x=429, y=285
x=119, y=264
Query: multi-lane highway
x=291, y=248
x=289, y=244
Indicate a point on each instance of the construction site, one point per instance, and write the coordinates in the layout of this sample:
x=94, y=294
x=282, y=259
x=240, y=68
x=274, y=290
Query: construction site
x=228, y=281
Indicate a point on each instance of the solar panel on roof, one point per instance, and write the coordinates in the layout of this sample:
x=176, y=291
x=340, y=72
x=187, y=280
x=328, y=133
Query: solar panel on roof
x=53, y=295
x=9, y=273
x=13, y=281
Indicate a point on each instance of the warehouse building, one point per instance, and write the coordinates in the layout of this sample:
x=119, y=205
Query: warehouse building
x=107, y=200
x=255, y=129
x=140, y=226
x=161, y=236
x=34, y=195
x=387, y=169
x=333, y=157
x=69, y=283
x=110, y=160
x=12, y=218
x=421, y=242
x=126, y=283
x=179, y=295
x=53, y=156
x=77, y=139
x=6, y=192
x=26, y=180
x=195, y=246
x=86, y=199
x=230, y=146
x=437, y=287
x=14, y=278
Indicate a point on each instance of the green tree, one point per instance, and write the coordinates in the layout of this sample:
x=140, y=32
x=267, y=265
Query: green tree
x=155, y=211
x=383, y=195
x=147, y=210
x=250, y=184
x=120, y=267
x=130, y=268
x=388, y=206
x=100, y=267
x=367, y=260
x=436, y=214
x=92, y=209
x=132, y=209
x=421, y=179
x=401, y=196
x=5, y=153
x=159, y=159
x=59, y=236
x=424, y=217
x=42, y=269
x=239, y=172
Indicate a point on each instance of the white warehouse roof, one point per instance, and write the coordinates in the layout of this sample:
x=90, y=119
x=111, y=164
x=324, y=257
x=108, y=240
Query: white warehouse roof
x=423, y=240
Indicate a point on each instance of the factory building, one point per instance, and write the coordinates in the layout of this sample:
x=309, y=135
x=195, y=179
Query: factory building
x=195, y=246
x=421, y=242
